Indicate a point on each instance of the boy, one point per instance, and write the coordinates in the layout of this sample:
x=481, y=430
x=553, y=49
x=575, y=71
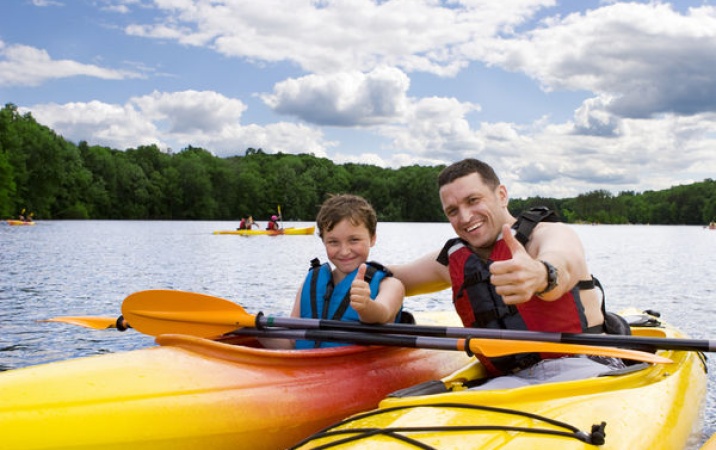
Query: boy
x=353, y=290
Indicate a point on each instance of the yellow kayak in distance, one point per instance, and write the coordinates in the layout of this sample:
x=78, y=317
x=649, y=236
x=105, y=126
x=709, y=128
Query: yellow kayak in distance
x=291, y=231
x=642, y=407
x=15, y=222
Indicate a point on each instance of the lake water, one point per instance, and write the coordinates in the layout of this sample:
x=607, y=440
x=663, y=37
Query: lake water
x=58, y=268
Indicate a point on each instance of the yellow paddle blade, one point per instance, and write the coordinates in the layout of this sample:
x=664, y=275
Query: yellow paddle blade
x=95, y=322
x=162, y=311
x=503, y=347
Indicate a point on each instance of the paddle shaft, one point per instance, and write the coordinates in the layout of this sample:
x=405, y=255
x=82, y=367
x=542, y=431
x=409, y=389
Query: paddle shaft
x=487, y=347
x=603, y=340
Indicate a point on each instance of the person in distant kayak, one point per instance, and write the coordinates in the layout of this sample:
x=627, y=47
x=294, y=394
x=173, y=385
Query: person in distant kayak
x=247, y=223
x=273, y=224
x=524, y=273
x=354, y=289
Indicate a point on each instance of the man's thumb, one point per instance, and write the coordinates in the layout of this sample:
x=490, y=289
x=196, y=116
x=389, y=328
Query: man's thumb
x=512, y=243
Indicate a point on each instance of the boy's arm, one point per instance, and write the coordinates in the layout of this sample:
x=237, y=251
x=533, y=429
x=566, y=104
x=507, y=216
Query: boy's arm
x=386, y=304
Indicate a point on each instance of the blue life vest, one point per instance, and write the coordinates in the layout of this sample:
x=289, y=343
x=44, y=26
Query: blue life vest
x=321, y=299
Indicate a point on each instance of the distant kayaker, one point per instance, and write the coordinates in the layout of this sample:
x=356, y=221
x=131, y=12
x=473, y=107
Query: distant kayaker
x=273, y=224
x=528, y=272
x=246, y=223
x=354, y=289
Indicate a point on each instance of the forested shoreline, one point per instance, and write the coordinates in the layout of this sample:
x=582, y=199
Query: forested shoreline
x=43, y=173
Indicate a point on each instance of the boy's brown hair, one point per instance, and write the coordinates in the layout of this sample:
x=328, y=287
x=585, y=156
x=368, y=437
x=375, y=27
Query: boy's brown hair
x=346, y=206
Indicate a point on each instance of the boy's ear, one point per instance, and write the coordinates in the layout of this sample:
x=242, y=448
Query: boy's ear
x=372, y=240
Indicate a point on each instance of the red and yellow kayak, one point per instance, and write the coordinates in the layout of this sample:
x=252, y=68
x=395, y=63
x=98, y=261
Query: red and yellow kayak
x=195, y=393
x=284, y=231
x=643, y=407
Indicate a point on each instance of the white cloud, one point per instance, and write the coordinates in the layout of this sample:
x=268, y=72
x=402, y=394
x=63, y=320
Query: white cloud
x=190, y=111
x=98, y=123
x=341, y=36
x=436, y=128
x=647, y=57
x=176, y=120
x=22, y=65
x=343, y=99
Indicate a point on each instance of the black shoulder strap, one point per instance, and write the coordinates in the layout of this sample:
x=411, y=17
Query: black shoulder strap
x=315, y=272
x=528, y=220
x=373, y=267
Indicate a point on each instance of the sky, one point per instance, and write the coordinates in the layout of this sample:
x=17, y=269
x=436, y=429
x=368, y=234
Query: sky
x=560, y=97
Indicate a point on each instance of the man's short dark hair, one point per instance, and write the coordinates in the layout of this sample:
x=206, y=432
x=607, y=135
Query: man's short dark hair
x=466, y=167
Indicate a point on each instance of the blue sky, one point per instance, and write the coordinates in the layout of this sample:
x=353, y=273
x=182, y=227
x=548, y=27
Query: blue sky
x=561, y=97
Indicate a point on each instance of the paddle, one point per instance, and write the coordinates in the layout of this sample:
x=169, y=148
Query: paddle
x=157, y=312
x=95, y=322
x=488, y=347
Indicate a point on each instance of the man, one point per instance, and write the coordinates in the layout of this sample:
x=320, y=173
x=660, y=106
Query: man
x=541, y=284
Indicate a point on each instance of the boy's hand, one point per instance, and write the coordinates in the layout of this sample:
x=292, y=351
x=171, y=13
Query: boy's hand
x=360, y=291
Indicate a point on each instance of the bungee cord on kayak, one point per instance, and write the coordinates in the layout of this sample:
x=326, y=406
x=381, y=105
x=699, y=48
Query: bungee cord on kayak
x=596, y=436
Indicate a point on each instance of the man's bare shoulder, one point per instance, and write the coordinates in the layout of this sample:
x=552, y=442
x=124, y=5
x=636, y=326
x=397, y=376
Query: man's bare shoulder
x=551, y=234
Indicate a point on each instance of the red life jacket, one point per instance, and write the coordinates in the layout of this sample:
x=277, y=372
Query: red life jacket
x=478, y=304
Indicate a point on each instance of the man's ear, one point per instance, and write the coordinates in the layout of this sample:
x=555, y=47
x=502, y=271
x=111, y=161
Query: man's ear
x=502, y=195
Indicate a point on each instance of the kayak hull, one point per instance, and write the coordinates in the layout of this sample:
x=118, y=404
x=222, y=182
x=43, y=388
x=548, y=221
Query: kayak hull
x=284, y=231
x=194, y=393
x=656, y=407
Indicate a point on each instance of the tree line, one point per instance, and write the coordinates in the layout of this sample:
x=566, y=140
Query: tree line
x=43, y=173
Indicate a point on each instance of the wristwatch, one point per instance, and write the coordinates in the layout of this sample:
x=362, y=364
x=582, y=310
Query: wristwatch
x=551, y=278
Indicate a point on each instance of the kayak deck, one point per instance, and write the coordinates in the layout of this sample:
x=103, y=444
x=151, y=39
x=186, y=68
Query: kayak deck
x=645, y=407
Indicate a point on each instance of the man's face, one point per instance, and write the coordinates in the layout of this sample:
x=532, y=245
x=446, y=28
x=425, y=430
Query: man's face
x=475, y=210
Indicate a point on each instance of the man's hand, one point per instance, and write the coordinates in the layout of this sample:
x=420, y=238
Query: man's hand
x=517, y=279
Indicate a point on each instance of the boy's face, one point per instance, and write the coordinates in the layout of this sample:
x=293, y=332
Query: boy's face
x=348, y=245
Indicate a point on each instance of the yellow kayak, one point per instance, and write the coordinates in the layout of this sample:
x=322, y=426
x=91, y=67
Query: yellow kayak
x=15, y=222
x=645, y=406
x=195, y=393
x=291, y=231
x=710, y=444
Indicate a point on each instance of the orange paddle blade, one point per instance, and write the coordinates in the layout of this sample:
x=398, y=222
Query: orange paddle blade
x=502, y=347
x=96, y=322
x=162, y=311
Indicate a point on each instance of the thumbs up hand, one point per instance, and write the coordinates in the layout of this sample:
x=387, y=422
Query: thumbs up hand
x=517, y=279
x=360, y=290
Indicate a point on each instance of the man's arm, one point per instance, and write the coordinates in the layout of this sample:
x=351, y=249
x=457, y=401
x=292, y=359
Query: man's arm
x=523, y=276
x=422, y=275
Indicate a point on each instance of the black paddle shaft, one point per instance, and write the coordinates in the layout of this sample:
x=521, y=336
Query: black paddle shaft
x=643, y=343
